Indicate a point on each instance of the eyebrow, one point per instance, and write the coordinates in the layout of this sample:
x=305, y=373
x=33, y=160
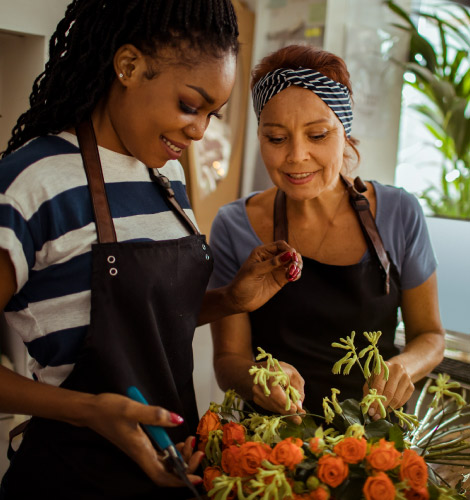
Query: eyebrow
x=314, y=122
x=204, y=94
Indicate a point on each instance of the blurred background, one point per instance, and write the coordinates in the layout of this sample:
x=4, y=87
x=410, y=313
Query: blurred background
x=410, y=71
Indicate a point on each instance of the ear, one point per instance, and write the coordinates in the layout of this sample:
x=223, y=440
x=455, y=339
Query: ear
x=129, y=64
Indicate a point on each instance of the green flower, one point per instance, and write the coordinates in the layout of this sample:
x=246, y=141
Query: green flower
x=406, y=419
x=265, y=428
x=379, y=363
x=442, y=388
x=349, y=359
x=373, y=397
x=274, y=371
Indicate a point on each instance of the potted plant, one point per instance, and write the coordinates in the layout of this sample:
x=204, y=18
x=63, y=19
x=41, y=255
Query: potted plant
x=442, y=76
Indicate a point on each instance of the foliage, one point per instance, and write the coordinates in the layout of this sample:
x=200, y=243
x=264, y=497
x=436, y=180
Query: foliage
x=347, y=456
x=442, y=74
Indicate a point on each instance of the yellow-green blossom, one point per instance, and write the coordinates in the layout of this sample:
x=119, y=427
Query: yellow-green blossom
x=270, y=483
x=349, y=359
x=442, y=388
x=213, y=450
x=329, y=413
x=406, y=419
x=278, y=376
x=265, y=428
x=379, y=363
x=355, y=430
x=373, y=397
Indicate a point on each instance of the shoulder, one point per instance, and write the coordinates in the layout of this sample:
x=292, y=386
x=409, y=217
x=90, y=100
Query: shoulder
x=36, y=152
x=396, y=204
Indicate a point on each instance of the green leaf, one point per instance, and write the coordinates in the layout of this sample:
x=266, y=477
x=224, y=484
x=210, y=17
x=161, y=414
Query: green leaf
x=395, y=434
x=378, y=429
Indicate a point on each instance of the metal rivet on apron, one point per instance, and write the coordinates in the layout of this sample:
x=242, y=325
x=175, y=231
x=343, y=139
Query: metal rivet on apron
x=113, y=271
x=203, y=246
x=111, y=259
x=207, y=257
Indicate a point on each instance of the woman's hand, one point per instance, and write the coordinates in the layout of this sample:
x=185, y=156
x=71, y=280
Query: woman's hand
x=397, y=389
x=263, y=274
x=119, y=419
x=276, y=401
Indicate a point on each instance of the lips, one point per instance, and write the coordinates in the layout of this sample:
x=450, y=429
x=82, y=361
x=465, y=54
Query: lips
x=300, y=177
x=177, y=148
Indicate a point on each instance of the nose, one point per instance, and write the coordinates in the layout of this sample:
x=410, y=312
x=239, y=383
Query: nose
x=195, y=130
x=298, y=151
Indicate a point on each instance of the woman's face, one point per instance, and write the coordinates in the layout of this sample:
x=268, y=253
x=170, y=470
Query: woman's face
x=302, y=143
x=155, y=119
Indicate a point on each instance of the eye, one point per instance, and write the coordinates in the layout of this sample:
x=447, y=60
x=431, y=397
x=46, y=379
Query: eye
x=219, y=116
x=275, y=139
x=187, y=109
x=318, y=137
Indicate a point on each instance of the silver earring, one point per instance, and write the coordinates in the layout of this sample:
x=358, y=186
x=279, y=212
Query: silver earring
x=121, y=75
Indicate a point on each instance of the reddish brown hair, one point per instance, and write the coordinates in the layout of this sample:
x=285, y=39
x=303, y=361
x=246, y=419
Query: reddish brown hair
x=305, y=56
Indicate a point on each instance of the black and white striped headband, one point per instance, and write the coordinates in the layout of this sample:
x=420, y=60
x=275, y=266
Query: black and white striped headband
x=334, y=94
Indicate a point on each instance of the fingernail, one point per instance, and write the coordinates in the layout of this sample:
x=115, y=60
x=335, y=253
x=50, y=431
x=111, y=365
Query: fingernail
x=286, y=257
x=292, y=269
x=299, y=403
x=196, y=482
x=296, y=258
x=371, y=412
x=193, y=442
x=176, y=419
x=202, y=457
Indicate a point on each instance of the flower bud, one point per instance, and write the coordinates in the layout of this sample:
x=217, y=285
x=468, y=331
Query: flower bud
x=313, y=483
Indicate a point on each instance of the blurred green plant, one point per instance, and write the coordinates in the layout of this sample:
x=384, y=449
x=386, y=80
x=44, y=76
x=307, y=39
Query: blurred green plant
x=442, y=73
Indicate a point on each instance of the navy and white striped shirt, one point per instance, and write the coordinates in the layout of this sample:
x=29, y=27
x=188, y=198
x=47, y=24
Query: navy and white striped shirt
x=47, y=226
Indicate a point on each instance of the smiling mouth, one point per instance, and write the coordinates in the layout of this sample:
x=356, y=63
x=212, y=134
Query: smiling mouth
x=174, y=148
x=300, y=176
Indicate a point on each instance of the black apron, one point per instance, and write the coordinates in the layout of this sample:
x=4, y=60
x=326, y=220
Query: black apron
x=299, y=324
x=145, y=301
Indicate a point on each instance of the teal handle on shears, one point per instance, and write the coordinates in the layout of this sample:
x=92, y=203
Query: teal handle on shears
x=157, y=433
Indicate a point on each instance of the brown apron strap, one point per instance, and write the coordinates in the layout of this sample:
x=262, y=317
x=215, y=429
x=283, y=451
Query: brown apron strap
x=362, y=207
x=280, y=229
x=91, y=160
x=165, y=186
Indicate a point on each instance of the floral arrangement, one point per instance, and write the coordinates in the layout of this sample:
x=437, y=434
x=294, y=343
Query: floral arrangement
x=346, y=456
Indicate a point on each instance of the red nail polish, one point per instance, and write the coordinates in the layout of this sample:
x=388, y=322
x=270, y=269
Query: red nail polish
x=193, y=442
x=296, y=257
x=285, y=257
x=176, y=419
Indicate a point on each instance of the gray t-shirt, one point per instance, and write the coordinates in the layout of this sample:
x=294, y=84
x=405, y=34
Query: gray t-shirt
x=399, y=218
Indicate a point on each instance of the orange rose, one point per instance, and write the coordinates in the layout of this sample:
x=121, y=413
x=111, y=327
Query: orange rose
x=351, y=449
x=332, y=470
x=210, y=421
x=319, y=494
x=251, y=455
x=316, y=445
x=231, y=461
x=383, y=456
x=414, y=470
x=210, y=473
x=379, y=487
x=233, y=434
x=288, y=453
x=421, y=494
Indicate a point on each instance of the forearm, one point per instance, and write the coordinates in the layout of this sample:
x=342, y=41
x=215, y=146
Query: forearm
x=217, y=304
x=20, y=395
x=232, y=372
x=422, y=354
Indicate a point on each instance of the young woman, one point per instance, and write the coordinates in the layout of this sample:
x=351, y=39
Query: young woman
x=366, y=250
x=102, y=269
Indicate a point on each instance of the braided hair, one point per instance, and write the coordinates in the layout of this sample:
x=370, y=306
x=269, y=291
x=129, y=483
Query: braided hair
x=80, y=68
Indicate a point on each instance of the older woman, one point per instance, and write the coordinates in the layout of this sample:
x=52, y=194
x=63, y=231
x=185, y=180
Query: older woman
x=365, y=247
